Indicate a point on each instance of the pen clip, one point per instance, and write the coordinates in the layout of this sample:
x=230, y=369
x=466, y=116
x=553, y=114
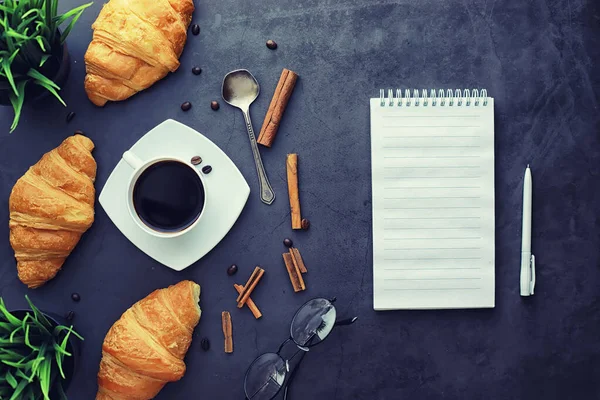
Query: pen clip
x=532, y=267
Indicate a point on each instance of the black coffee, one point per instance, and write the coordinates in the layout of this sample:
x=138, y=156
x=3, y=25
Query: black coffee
x=168, y=196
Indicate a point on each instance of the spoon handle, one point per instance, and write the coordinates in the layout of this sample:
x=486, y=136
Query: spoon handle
x=267, y=195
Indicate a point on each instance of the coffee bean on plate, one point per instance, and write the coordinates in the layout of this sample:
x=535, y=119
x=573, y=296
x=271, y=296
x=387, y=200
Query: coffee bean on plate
x=186, y=106
x=232, y=269
x=70, y=116
x=70, y=316
x=287, y=242
x=75, y=297
x=214, y=105
x=196, y=70
x=196, y=160
x=195, y=29
x=205, y=344
x=206, y=169
x=305, y=224
x=271, y=44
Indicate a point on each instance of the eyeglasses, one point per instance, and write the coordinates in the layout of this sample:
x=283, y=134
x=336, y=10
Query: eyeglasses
x=270, y=372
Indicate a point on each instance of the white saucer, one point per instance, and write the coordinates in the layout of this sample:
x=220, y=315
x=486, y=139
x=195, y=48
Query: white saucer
x=226, y=193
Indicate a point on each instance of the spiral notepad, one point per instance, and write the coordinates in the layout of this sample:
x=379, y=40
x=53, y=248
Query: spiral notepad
x=433, y=199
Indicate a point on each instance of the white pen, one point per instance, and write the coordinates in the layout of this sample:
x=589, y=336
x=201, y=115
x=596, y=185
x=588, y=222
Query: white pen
x=527, y=259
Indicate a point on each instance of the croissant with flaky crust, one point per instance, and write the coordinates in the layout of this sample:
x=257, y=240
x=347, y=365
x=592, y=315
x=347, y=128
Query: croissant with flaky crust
x=51, y=206
x=135, y=43
x=145, y=348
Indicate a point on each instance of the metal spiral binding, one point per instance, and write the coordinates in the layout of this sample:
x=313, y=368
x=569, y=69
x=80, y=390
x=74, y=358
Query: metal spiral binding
x=447, y=98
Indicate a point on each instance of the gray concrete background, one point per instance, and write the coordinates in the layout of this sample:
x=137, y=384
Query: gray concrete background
x=539, y=59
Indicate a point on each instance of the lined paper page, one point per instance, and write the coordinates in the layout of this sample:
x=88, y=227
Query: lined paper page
x=433, y=206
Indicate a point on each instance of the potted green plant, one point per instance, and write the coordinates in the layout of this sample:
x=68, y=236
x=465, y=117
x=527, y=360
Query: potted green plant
x=33, y=53
x=37, y=355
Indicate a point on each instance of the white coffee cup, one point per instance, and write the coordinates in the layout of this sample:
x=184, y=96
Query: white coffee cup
x=139, y=166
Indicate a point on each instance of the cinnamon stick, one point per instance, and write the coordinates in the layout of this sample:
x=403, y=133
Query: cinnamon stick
x=298, y=261
x=227, y=331
x=292, y=180
x=294, y=273
x=282, y=95
x=255, y=311
x=249, y=286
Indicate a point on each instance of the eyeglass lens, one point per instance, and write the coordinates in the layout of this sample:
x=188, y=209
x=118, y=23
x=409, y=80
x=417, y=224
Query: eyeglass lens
x=313, y=322
x=265, y=377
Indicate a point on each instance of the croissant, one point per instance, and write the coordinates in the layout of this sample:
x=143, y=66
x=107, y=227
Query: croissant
x=135, y=43
x=145, y=348
x=51, y=206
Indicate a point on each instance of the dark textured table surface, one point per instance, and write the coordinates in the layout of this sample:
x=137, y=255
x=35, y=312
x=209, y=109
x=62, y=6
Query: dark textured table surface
x=539, y=59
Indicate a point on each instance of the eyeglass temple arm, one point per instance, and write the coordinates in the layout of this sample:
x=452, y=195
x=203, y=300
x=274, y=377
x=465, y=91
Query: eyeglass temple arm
x=347, y=321
x=342, y=322
x=292, y=375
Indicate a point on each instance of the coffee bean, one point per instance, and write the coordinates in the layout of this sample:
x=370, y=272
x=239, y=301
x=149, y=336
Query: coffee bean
x=196, y=160
x=70, y=116
x=214, y=105
x=287, y=242
x=78, y=132
x=271, y=44
x=195, y=29
x=70, y=316
x=75, y=297
x=205, y=344
x=196, y=70
x=186, y=106
x=206, y=169
x=305, y=224
x=232, y=270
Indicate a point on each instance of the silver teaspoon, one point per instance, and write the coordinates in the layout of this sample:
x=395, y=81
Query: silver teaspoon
x=240, y=89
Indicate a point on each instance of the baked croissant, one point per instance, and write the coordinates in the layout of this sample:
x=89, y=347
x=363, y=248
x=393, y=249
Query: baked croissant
x=135, y=43
x=145, y=348
x=51, y=206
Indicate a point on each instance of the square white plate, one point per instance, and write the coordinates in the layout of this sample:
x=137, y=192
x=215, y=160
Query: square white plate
x=226, y=194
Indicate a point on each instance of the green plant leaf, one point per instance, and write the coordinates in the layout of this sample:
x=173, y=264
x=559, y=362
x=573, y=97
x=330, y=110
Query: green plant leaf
x=38, y=361
x=17, y=393
x=15, y=343
x=25, y=318
x=6, y=326
x=54, y=7
x=18, y=365
x=37, y=314
x=61, y=350
x=43, y=60
x=45, y=371
x=28, y=342
x=10, y=379
x=65, y=340
x=51, y=90
x=48, y=15
x=38, y=76
x=78, y=10
x=17, y=103
x=22, y=375
x=61, y=328
x=6, y=62
x=67, y=30
x=31, y=12
x=41, y=43
x=7, y=354
x=59, y=361
x=9, y=317
x=14, y=34
x=14, y=332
